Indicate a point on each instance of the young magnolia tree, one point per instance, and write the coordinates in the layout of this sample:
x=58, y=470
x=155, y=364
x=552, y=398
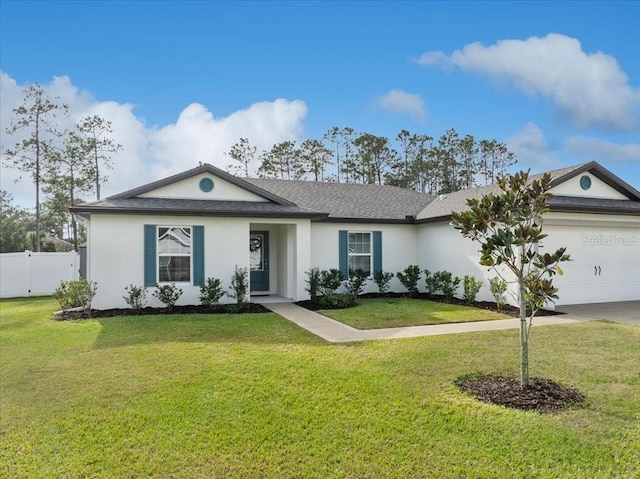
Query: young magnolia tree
x=508, y=227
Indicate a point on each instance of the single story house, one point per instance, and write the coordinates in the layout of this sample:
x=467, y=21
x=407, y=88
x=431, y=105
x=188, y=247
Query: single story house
x=204, y=222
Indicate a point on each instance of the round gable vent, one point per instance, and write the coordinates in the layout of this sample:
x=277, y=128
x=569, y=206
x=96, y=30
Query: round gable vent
x=585, y=182
x=206, y=184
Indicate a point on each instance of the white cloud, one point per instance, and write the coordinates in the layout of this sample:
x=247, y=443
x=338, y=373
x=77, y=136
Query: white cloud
x=531, y=149
x=152, y=152
x=589, y=87
x=398, y=101
x=602, y=151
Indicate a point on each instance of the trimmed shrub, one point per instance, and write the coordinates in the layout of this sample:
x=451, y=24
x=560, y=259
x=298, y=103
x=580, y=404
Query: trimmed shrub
x=447, y=283
x=382, y=279
x=76, y=294
x=409, y=278
x=211, y=292
x=313, y=283
x=471, y=288
x=338, y=301
x=498, y=288
x=136, y=297
x=431, y=283
x=168, y=294
x=330, y=281
x=357, y=279
x=239, y=287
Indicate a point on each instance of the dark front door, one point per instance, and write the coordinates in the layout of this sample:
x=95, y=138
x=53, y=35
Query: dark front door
x=259, y=260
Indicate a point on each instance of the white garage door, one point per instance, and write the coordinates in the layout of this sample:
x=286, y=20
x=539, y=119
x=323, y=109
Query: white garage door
x=605, y=263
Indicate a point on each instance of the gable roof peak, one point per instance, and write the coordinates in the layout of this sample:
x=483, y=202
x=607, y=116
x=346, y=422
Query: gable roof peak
x=600, y=172
x=198, y=170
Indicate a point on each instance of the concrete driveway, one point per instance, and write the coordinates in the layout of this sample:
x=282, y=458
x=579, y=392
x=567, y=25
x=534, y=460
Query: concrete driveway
x=622, y=312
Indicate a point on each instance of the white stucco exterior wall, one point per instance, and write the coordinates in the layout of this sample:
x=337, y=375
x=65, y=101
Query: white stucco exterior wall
x=116, y=254
x=398, y=247
x=443, y=248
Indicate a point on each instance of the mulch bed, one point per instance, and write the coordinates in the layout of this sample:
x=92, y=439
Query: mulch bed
x=507, y=309
x=193, y=309
x=541, y=395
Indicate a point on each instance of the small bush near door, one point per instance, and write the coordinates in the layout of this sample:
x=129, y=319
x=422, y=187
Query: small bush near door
x=338, y=301
x=211, y=292
x=356, y=282
x=313, y=283
x=330, y=281
x=239, y=289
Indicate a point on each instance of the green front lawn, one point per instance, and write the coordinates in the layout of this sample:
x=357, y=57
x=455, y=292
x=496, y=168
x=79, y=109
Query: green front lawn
x=254, y=396
x=376, y=313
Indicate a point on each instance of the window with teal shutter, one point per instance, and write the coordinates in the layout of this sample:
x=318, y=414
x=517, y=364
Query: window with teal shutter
x=343, y=253
x=377, y=251
x=198, y=255
x=150, y=255
x=360, y=250
x=175, y=250
x=173, y=254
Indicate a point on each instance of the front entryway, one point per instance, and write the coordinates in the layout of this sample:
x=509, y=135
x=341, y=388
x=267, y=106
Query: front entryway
x=259, y=261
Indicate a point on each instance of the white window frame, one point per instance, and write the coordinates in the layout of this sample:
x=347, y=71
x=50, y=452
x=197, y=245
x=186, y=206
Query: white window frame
x=369, y=254
x=164, y=255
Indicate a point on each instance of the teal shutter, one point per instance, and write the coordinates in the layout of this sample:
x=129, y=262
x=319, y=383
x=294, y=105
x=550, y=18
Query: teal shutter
x=150, y=258
x=198, y=255
x=343, y=248
x=377, y=251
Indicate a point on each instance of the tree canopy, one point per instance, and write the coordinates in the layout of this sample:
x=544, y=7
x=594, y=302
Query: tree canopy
x=410, y=160
x=62, y=163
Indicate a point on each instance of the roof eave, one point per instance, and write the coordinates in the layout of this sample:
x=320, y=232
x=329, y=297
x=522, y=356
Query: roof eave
x=612, y=210
x=190, y=212
x=401, y=221
x=435, y=219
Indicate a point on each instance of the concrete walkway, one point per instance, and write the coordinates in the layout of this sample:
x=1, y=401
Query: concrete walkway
x=337, y=332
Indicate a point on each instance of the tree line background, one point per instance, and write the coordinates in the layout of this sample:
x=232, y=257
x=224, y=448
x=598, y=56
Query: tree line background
x=65, y=164
x=410, y=160
x=62, y=164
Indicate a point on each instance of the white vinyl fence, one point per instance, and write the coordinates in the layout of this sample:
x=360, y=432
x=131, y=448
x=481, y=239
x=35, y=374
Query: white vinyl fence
x=26, y=274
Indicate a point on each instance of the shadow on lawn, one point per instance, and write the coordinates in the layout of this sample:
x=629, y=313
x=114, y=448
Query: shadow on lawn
x=201, y=328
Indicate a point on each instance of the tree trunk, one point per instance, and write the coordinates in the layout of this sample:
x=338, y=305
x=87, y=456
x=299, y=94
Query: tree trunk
x=524, y=346
x=95, y=152
x=74, y=225
x=37, y=179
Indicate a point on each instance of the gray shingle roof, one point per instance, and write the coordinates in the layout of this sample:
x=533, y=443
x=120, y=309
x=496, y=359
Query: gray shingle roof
x=349, y=201
x=442, y=207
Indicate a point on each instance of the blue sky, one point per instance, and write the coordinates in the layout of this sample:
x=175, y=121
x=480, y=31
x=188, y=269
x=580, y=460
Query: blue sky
x=182, y=81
